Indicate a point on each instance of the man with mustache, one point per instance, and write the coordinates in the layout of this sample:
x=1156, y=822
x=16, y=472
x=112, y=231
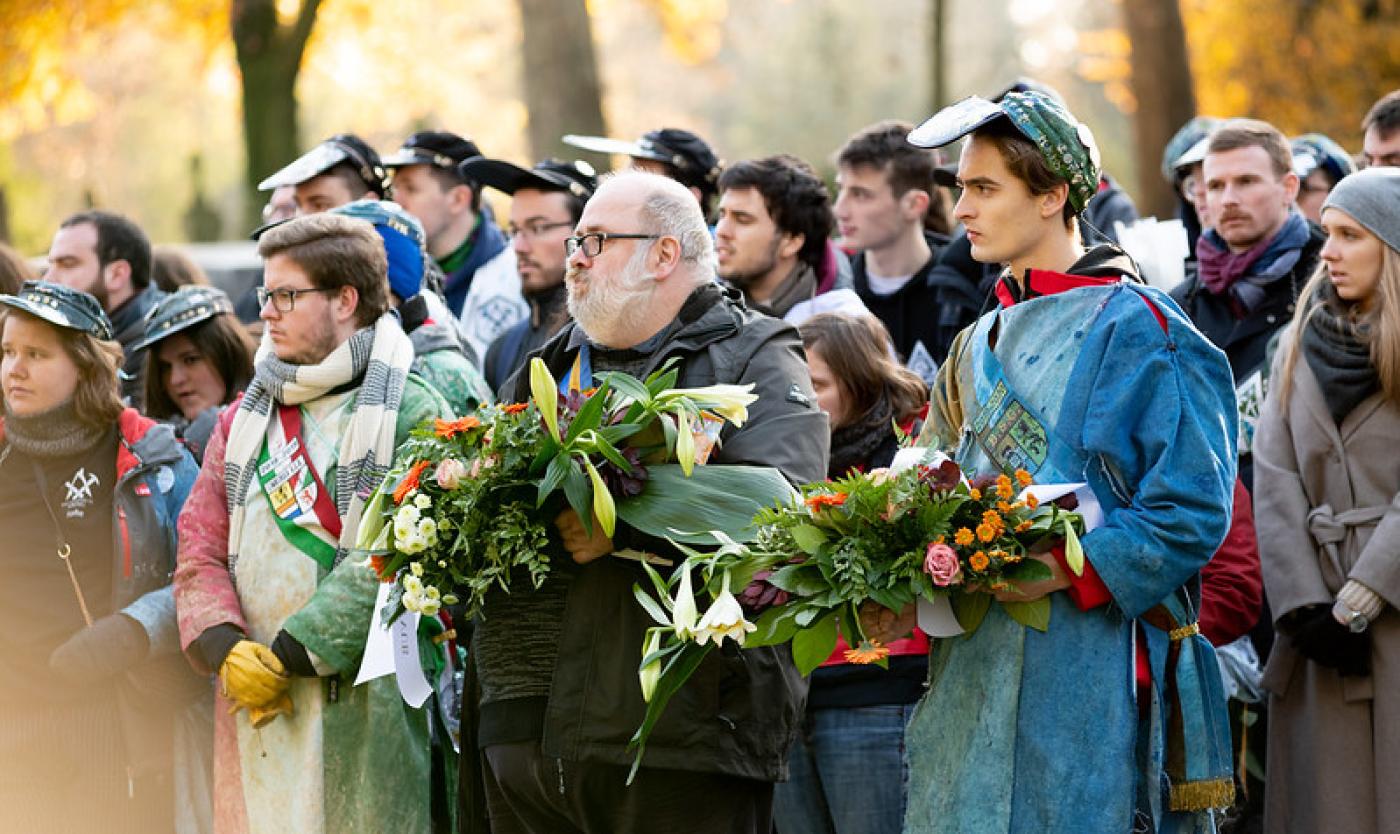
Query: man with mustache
x=548, y=201
x=557, y=667
x=1251, y=265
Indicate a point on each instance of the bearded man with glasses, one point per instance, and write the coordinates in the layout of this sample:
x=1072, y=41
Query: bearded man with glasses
x=288, y=469
x=556, y=668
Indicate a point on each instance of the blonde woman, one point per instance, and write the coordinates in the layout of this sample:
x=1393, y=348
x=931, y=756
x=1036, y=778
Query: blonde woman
x=1327, y=493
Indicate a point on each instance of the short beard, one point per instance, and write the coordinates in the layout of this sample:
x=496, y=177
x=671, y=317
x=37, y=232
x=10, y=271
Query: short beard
x=748, y=278
x=613, y=312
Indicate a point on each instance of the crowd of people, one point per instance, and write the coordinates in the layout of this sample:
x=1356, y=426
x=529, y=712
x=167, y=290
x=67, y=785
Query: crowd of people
x=183, y=476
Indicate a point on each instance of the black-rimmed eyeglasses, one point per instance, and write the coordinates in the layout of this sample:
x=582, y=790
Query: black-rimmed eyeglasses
x=592, y=243
x=285, y=300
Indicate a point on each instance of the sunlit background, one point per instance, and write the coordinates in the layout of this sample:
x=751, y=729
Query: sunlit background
x=136, y=106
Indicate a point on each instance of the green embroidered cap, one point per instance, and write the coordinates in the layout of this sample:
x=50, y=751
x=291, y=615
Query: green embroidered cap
x=63, y=306
x=1066, y=144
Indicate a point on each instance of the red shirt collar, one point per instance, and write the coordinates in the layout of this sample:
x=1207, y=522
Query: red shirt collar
x=1044, y=282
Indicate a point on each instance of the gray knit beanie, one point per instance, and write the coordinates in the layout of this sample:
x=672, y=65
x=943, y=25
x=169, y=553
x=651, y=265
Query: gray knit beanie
x=1371, y=198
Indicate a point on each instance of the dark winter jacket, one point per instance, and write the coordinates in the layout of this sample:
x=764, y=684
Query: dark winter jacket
x=925, y=314
x=740, y=711
x=128, y=327
x=1109, y=206
x=549, y=311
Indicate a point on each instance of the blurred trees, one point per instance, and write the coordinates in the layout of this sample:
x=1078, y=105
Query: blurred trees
x=559, y=76
x=1162, y=92
x=1304, y=65
x=270, y=52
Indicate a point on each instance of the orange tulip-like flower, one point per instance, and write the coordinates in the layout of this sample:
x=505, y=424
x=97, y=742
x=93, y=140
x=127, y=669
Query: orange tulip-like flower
x=410, y=481
x=979, y=561
x=963, y=537
x=451, y=428
x=832, y=499
x=869, y=651
x=1023, y=477
x=514, y=408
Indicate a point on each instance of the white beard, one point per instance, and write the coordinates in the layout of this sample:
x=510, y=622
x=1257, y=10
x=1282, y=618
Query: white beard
x=611, y=311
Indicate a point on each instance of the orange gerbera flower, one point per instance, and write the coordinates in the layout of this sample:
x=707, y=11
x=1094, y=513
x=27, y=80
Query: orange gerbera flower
x=514, y=408
x=830, y=499
x=380, y=564
x=975, y=494
x=963, y=537
x=1023, y=477
x=986, y=532
x=1024, y=526
x=979, y=561
x=1004, y=488
x=451, y=428
x=869, y=651
x=1032, y=501
x=410, y=481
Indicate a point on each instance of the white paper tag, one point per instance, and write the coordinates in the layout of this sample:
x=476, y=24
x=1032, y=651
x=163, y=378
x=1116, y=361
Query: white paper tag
x=413, y=684
x=378, y=659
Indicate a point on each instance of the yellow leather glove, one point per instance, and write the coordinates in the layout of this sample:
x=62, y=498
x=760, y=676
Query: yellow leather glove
x=260, y=717
x=253, y=677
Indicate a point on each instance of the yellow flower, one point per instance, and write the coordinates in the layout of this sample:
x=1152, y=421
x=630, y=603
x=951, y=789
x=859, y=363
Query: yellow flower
x=979, y=561
x=986, y=532
x=963, y=537
x=1004, y=488
x=975, y=494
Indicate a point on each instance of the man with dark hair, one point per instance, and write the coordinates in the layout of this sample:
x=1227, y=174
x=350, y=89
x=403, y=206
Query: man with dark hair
x=548, y=201
x=286, y=476
x=670, y=152
x=1252, y=263
x=480, y=284
x=340, y=169
x=109, y=257
x=885, y=185
x=1382, y=127
x=772, y=235
x=1080, y=375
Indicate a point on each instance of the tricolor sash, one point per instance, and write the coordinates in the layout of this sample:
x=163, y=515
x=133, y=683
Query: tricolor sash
x=300, y=502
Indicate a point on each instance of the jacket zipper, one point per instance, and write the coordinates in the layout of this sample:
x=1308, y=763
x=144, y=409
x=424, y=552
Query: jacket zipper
x=126, y=542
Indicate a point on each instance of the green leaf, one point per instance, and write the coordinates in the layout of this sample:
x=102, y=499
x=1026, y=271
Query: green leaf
x=663, y=378
x=802, y=580
x=544, y=392
x=673, y=676
x=553, y=477
x=576, y=489
x=774, y=626
x=812, y=646
x=970, y=609
x=1029, y=570
x=617, y=434
x=809, y=537
x=685, y=442
x=589, y=415
x=663, y=591
x=626, y=385
x=713, y=498
x=1034, y=614
x=547, y=452
x=610, y=452
x=651, y=606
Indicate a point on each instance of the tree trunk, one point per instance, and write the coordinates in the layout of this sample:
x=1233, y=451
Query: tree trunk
x=1161, y=83
x=937, y=55
x=269, y=58
x=562, y=92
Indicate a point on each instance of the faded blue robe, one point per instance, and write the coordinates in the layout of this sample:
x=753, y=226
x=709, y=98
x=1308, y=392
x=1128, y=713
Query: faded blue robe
x=1029, y=732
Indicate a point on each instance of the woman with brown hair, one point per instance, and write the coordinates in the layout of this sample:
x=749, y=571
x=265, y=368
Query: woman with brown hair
x=847, y=766
x=200, y=359
x=1327, y=506
x=93, y=687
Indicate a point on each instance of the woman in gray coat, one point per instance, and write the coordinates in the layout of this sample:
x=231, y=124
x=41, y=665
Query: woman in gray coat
x=1327, y=496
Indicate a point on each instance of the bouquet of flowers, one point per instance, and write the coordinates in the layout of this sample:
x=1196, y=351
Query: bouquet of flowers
x=891, y=538
x=470, y=505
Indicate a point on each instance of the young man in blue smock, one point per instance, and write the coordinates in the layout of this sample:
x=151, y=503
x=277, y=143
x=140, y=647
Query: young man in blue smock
x=1111, y=720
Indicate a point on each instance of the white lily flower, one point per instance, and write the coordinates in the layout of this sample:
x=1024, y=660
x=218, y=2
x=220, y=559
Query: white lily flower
x=725, y=618
x=683, y=611
x=728, y=401
x=650, y=675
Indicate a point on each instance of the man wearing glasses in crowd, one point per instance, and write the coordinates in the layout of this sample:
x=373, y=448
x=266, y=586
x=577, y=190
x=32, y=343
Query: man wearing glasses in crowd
x=548, y=201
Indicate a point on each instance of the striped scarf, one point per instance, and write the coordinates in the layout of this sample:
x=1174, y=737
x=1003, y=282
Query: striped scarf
x=381, y=355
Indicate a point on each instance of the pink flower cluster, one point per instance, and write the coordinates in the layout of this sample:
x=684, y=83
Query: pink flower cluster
x=941, y=564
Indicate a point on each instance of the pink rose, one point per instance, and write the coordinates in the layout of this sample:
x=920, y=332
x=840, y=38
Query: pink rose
x=450, y=473
x=941, y=563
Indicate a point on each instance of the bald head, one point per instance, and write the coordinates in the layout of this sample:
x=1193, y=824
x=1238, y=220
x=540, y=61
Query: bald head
x=661, y=206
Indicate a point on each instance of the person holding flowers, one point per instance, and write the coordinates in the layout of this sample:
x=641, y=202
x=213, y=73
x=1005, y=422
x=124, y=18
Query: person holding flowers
x=265, y=594
x=1111, y=719
x=847, y=766
x=557, y=666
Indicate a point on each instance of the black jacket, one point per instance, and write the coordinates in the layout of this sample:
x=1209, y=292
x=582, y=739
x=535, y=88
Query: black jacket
x=740, y=711
x=1245, y=340
x=549, y=311
x=926, y=313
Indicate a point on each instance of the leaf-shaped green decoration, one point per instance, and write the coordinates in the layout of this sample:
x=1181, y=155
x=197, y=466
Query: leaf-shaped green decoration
x=1034, y=614
x=713, y=498
x=1074, y=551
x=812, y=646
x=970, y=609
x=809, y=537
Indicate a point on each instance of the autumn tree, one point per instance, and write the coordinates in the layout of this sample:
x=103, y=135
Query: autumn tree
x=562, y=92
x=1162, y=90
